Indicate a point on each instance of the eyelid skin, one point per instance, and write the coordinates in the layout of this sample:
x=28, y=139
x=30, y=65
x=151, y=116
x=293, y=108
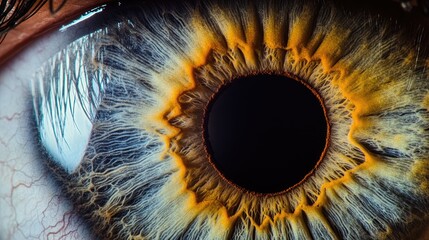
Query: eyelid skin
x=43, y=21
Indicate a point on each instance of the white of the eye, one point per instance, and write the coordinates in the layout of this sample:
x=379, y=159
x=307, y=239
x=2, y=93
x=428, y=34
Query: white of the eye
x=30, y=204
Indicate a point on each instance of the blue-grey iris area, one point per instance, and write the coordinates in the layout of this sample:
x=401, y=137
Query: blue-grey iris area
x=113, y=105
x=121, y=136
x=115, y=143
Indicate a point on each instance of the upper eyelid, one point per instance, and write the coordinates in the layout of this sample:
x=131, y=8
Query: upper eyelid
x=18, y=37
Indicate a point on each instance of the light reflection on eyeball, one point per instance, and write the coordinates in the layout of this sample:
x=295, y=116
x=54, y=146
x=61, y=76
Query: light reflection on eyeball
x=144, y=172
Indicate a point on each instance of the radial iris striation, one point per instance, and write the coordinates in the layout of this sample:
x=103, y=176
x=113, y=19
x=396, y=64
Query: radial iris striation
x=145, y=172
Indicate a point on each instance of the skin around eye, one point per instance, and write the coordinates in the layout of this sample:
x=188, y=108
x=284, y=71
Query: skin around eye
x=22, y=180
x=370, y=76
x=40, y=23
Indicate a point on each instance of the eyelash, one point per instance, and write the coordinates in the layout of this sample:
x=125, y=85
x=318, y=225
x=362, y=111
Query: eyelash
x=12, y=13
x=308, y=50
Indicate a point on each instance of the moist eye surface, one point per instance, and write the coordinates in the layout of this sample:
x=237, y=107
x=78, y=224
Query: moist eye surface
x=150, y=170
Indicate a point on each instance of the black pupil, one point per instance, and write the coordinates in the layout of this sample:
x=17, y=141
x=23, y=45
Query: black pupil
x=265, y=133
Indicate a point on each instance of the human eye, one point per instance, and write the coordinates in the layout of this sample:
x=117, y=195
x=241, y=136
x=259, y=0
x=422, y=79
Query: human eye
x=175, y=86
